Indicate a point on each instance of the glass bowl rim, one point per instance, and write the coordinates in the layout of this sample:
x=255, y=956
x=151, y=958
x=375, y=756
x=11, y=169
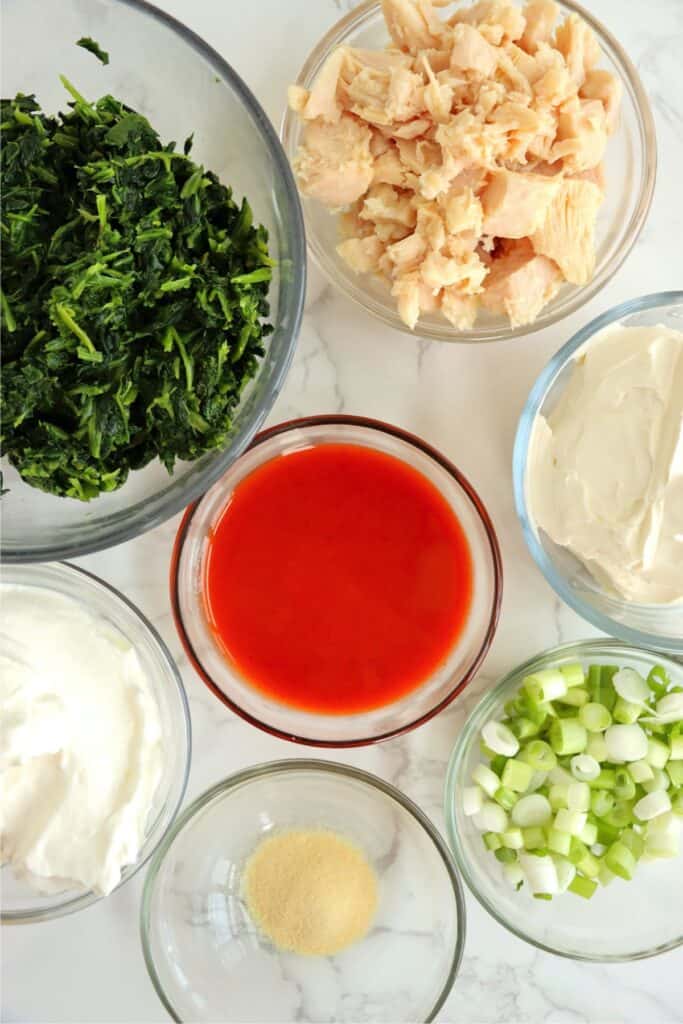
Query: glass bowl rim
x=113, y=595
x=527, y=418
x=285, y=766
x=357, y=18
x=496, y=559
x=581, y=649
x=144, y=520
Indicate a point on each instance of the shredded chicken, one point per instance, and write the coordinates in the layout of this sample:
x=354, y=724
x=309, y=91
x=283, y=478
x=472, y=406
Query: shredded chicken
x=467, y=158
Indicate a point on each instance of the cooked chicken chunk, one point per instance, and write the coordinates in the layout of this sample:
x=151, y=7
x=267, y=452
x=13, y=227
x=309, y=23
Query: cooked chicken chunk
x=334, y=163
x=566, y=234
x=520, y=284
x=514, y=204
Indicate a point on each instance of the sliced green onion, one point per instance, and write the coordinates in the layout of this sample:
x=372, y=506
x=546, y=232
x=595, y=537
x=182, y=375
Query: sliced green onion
x=626, y=743
x=631, y=686
x=539, y=755
x=676, y=747
x=575, y=698
x=674, y=770
x=485, y=778
x=540, y=873
x=670, y=708
x=534, y=837
x=625, y=712
x=640, y=771
x=506, y=798
x=573, y=674
x=589, y=865
x=523, y=728
x=500, y=739
x=517, y=775
x=559, y=842
x=634, y=841
x=567, y=736
x=589, y=834
x=513, y=839
x=625, y=787
x=659, y=780
x=652, y=805
x=658, y=680
x=602, y=802
x=620, y=861
x=546, y=685
x=620, y=816
x=581, y=886
x=657, y=753
x=492, y=841
x=584, y=767
x=595, y=717
x=607, y=779
x=572, y=822
x=597, y=747
x=558, y=795
x=531, y=810
x=578, y=796
x=505, y=855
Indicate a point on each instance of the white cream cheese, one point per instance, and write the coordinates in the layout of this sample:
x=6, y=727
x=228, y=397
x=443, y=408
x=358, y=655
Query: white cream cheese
x=80, y=744
x=605, y=469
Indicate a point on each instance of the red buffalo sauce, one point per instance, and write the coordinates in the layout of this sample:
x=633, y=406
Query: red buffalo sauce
x=338, y=579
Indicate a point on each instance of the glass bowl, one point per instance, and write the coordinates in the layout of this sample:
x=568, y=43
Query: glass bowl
x=450, y=678
x=209, y=962
x=19, y=904
x=659, y=626
x=619, y=923
x=630, y=165
x=151, y=54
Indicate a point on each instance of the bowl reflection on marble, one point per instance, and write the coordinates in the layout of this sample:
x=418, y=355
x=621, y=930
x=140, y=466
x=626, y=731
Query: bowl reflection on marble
x=174, y=78
x=624, y=921
x=648, y=625
x=451, y=676
x=209, y=962
x=630, y=168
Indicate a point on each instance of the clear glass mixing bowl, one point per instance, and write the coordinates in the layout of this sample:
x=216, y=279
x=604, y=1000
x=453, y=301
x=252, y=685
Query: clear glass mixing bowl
x=630, y=168
x=649, y=625
x=209, y=962
x=623, y=921
x=450, y=678
x=164, y=70
x=18, y=903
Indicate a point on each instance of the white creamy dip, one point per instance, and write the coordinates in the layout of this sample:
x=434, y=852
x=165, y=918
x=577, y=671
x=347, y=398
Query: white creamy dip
x=80, y=744
x=605, y=470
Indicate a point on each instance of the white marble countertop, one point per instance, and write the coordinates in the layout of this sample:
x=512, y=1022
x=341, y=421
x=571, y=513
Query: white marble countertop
x=466, y=401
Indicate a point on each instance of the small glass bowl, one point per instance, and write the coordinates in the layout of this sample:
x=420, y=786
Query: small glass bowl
x=647, y=625
x=161, y=68
x=187, y=589
x=623, y=921
x=630, y=166
x=19, y=904
x=209, y=962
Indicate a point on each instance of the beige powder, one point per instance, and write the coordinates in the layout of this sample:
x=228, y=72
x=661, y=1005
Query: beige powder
x=311, y=892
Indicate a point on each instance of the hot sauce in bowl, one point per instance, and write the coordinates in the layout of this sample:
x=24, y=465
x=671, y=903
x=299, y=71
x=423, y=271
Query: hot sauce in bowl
x=337, y=578
x=339, y=585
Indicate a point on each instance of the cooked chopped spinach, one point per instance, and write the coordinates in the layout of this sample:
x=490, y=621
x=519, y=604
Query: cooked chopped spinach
x=133, y=294
x=89, y=44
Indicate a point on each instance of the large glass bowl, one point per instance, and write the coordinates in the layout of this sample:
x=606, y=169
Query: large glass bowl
x=168, y=73
x=649, y=625
x=209, y=962
x=18, y=904
x=328, y=730
x=630, y=165
x=623, y=921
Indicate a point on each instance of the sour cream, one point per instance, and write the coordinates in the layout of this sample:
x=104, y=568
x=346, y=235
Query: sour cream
x=605, y=469
x=80, y=744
